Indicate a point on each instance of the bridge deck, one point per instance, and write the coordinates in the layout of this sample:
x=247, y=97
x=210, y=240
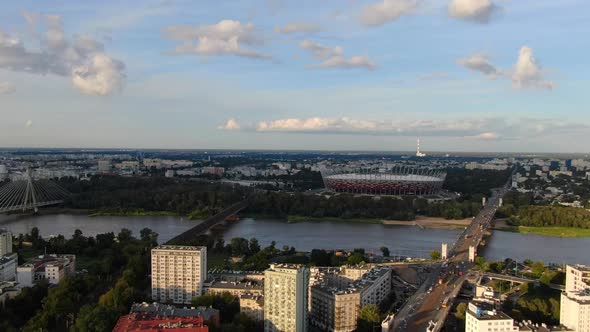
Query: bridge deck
x=207, y=224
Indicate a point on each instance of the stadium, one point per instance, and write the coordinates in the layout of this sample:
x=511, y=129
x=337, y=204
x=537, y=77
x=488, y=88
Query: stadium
x=399, y=181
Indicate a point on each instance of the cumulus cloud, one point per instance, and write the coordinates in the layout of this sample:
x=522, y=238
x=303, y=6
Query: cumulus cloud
x=320, y=51
x=480, y=11
x=482, y=64
x=6, y=88
x=474, y=128
x=342, y=62
x=385, y=11
x=59, y=55
x=528, y=73
x=333, y=57
x=297, y=27
x=230, y=124
x=226, y=37
x=98, y=76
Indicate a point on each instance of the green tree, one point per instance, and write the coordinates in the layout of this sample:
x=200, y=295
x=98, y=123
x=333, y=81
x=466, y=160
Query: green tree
x=435, y=255
x=460, y=313
x=356, y=259
x=385, y=251
x=369, y=318
x=95, y=318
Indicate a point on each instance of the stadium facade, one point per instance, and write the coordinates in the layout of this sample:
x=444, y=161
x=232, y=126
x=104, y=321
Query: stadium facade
x=398, y=181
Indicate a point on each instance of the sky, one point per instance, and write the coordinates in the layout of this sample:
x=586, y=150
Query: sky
x=462, y=75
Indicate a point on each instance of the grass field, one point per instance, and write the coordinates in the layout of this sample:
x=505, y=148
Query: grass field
x=549, y=231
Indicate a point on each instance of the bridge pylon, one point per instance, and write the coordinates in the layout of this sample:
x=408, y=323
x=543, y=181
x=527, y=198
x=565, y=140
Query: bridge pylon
x=444, y=251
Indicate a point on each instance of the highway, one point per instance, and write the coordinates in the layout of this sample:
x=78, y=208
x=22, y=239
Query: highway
x=445, y=280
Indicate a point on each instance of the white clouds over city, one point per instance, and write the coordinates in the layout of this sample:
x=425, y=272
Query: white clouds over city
x=226, y=37
x=526, y=74
x=80, y=57
x=480, y=11
x=385, y=11
x=333, y=57
x=477, y=128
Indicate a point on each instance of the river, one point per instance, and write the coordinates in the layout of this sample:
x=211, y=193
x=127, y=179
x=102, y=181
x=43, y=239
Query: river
x=304, y=236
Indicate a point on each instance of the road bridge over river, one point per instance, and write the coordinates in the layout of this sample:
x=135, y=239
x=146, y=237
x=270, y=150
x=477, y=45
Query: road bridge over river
x=204, y=226
x=429, y=302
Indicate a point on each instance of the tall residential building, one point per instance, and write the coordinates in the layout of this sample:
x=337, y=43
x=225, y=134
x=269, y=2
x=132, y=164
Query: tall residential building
x=178, y=273
x=481, y=316
x=338, y=294
x=575, y=301
x=285, y=298
x=577, y=278
x=5, y=242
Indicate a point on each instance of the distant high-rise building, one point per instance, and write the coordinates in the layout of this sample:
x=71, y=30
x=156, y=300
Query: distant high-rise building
x=178, y=273
x=5, y=242
x=285, y=298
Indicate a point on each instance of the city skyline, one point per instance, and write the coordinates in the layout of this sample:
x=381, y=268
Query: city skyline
x=464, y=75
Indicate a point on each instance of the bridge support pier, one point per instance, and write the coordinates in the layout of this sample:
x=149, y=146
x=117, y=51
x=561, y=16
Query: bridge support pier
x=471, y=254
x=444, y=251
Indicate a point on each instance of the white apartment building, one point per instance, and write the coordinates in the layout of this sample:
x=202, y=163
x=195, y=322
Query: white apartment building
x=51, y=267
x=575, y=301
x=5, y=242
x=481, y=316
x=178, y=273
x=577, y=278
x=285, y=298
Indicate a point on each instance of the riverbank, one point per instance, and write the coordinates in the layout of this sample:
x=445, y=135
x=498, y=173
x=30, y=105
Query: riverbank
x=294, y=219
x=432, y=222
x=133, y=213
x=546, y=231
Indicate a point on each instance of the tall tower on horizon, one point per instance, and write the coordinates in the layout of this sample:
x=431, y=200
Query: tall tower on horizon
x=418, y=153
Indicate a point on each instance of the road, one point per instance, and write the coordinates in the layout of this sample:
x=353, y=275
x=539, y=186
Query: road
x=445, y=280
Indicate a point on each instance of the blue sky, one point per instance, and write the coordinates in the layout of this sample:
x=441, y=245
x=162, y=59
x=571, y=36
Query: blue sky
x=464, y=75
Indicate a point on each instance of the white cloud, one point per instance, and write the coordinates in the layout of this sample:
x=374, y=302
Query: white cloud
x=230, y=124
x=29, y=124
x=297, y=27
x=480, y=11
x=223, y=38
x=341, y=62
x=528, y=73
x=488, y=135
x=480, y=63
x=59, y=56
x=99, y=76
x=475, y=128
x=320, y=51
x=385, y=11
x=333, y=57
x=6, y=88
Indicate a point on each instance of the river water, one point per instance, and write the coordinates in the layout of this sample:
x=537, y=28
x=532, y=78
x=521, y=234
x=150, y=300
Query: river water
x=304, y=236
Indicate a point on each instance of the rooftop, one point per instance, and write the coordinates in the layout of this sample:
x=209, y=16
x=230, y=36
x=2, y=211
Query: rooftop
x=175, y=247
x=245, y=285
x=357, y=286
x=486, y=311
x=164, y=310
x=136, y=322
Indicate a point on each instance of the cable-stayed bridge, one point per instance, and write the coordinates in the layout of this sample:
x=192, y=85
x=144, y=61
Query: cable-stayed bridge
x=29, y=194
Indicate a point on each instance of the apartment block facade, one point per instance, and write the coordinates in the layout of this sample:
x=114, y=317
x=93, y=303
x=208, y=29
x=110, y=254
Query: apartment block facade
x=178, y=273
